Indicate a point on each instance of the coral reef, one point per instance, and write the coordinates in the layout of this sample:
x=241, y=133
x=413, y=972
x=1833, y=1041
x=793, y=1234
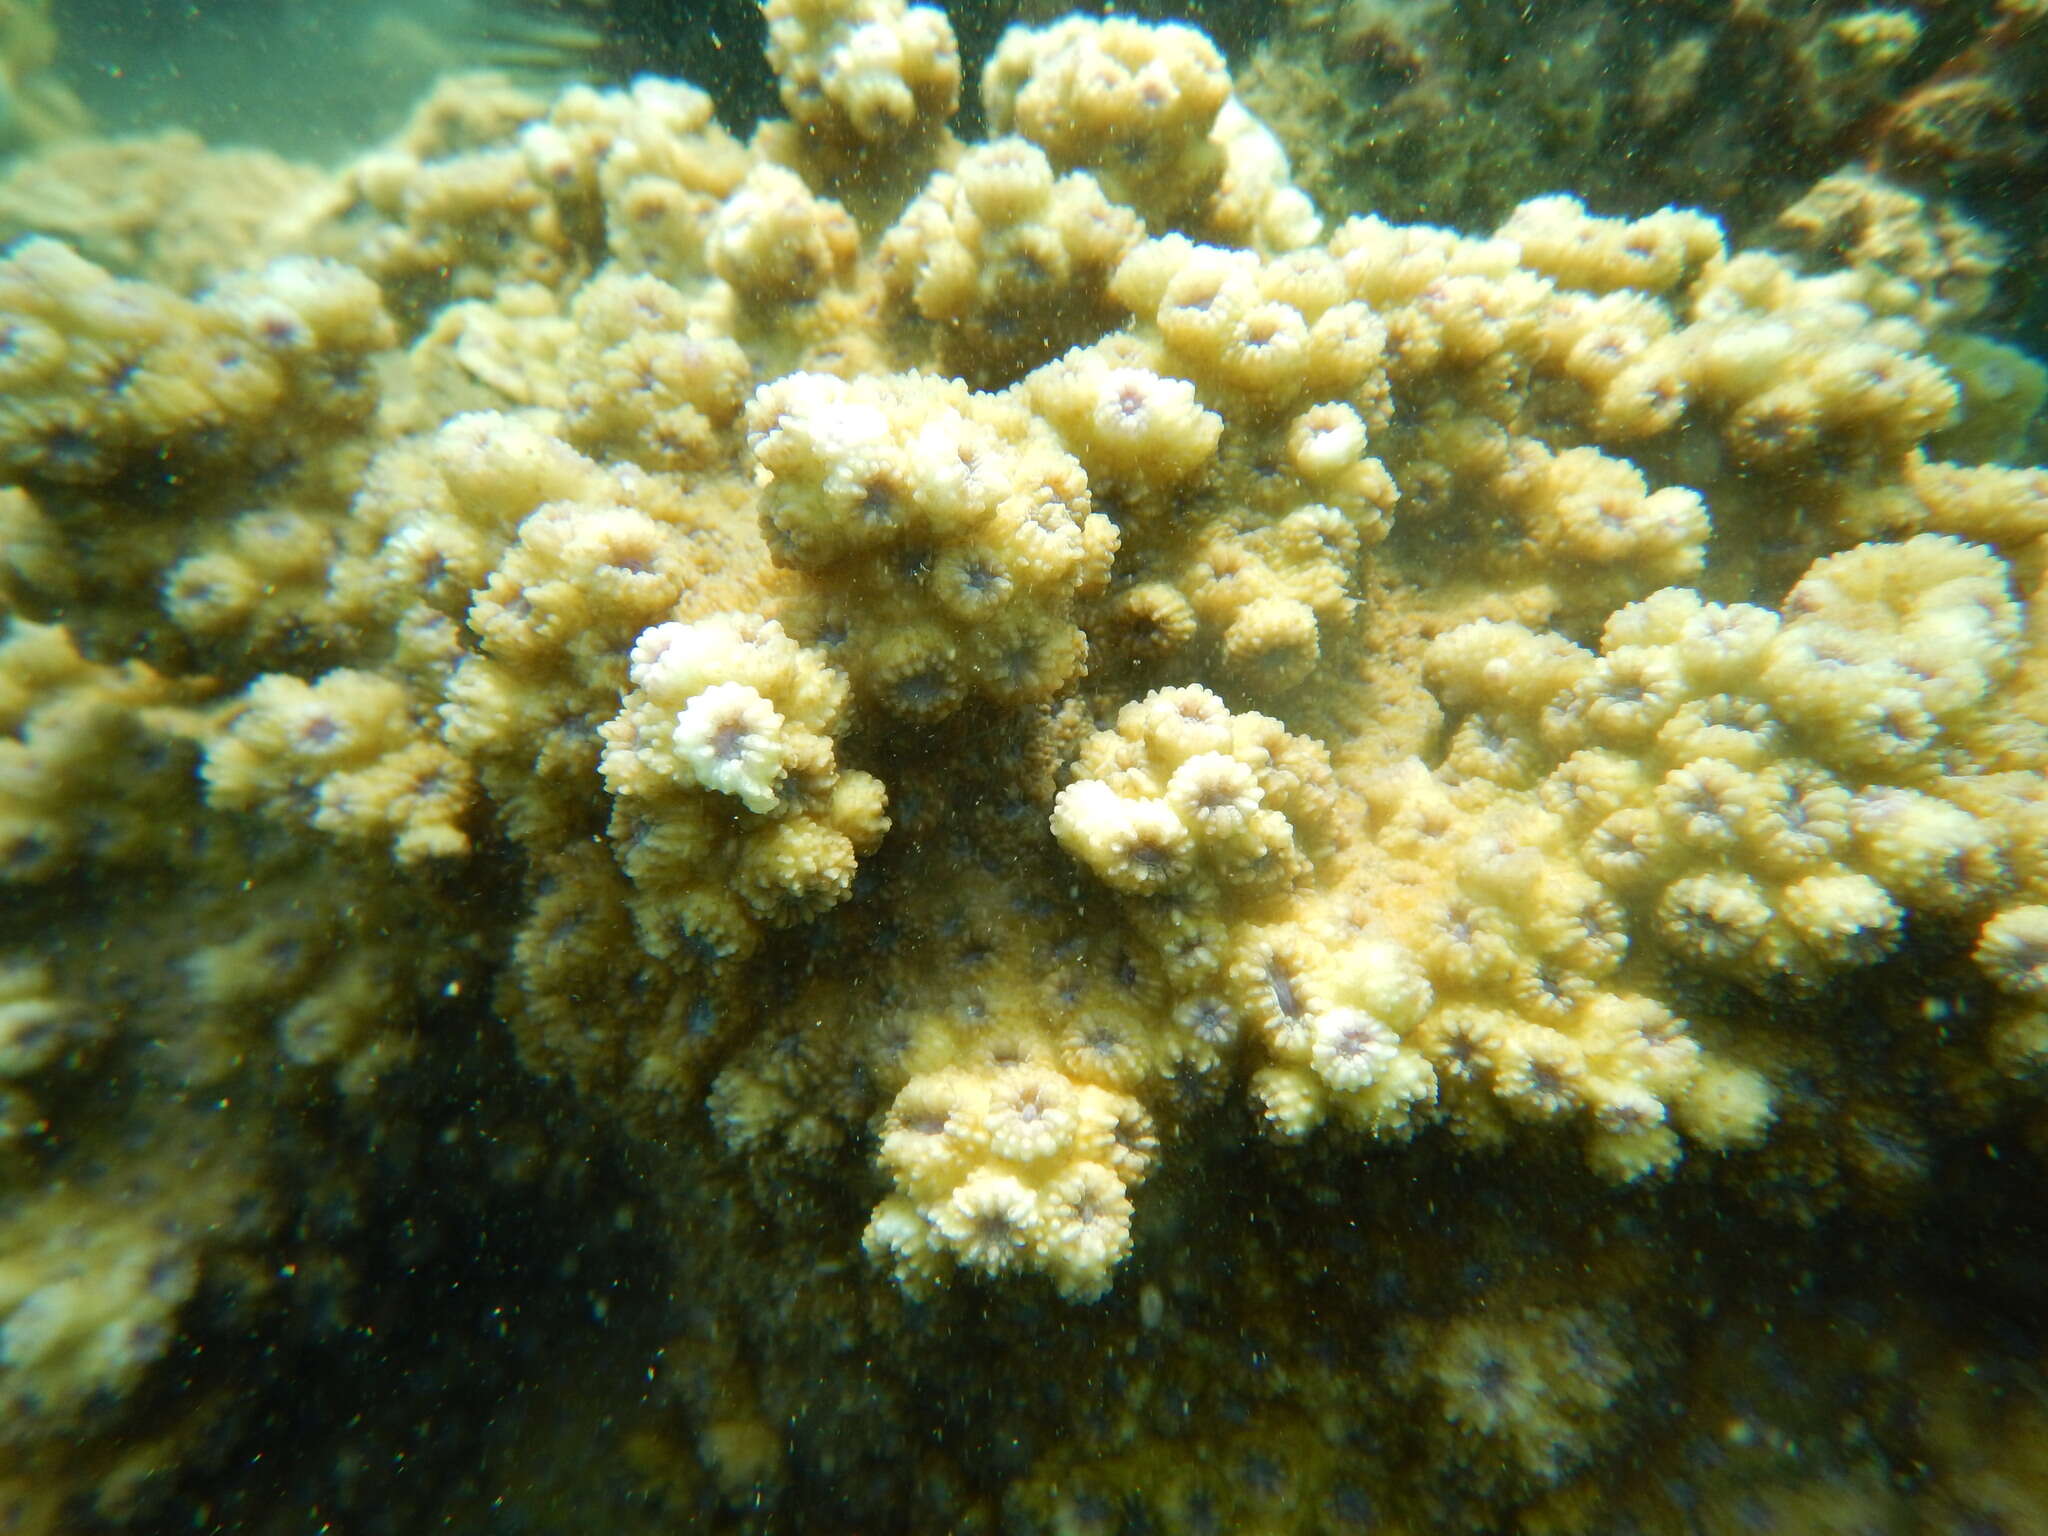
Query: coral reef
x=166, y=207
x=1062, y=849
x=1453, y=111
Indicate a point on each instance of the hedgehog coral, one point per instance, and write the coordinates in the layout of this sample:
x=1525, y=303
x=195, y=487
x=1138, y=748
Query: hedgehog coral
x=1183, y=789
x=731, y=708
x=1010, y=264
x=943, y=534
x=1021, y=770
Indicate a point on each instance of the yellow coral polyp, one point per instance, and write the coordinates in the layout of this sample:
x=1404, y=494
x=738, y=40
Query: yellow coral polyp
x=871, y=70
x=726, y=735
x=1135, y=845
x=2012, y=948
x=1009, y=262
x=1081, y=85
x=1714, y=920
x=1183, y=786
x=348, y=754
x=1352, y=1049
x=1846, y=919
x=1133, y=430
x=1008, y=1168
x=733, y=709
x=990, y=1221
x=882, y=483
x=774, y=241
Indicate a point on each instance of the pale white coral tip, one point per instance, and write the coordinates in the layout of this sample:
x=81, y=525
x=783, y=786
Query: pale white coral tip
x=729, y=737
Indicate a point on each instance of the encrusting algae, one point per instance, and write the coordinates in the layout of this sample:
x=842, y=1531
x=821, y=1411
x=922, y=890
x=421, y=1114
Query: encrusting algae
x=1185, y=868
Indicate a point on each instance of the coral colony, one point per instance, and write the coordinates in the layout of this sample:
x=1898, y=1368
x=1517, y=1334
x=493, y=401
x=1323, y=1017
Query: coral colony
x=1200, y=867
